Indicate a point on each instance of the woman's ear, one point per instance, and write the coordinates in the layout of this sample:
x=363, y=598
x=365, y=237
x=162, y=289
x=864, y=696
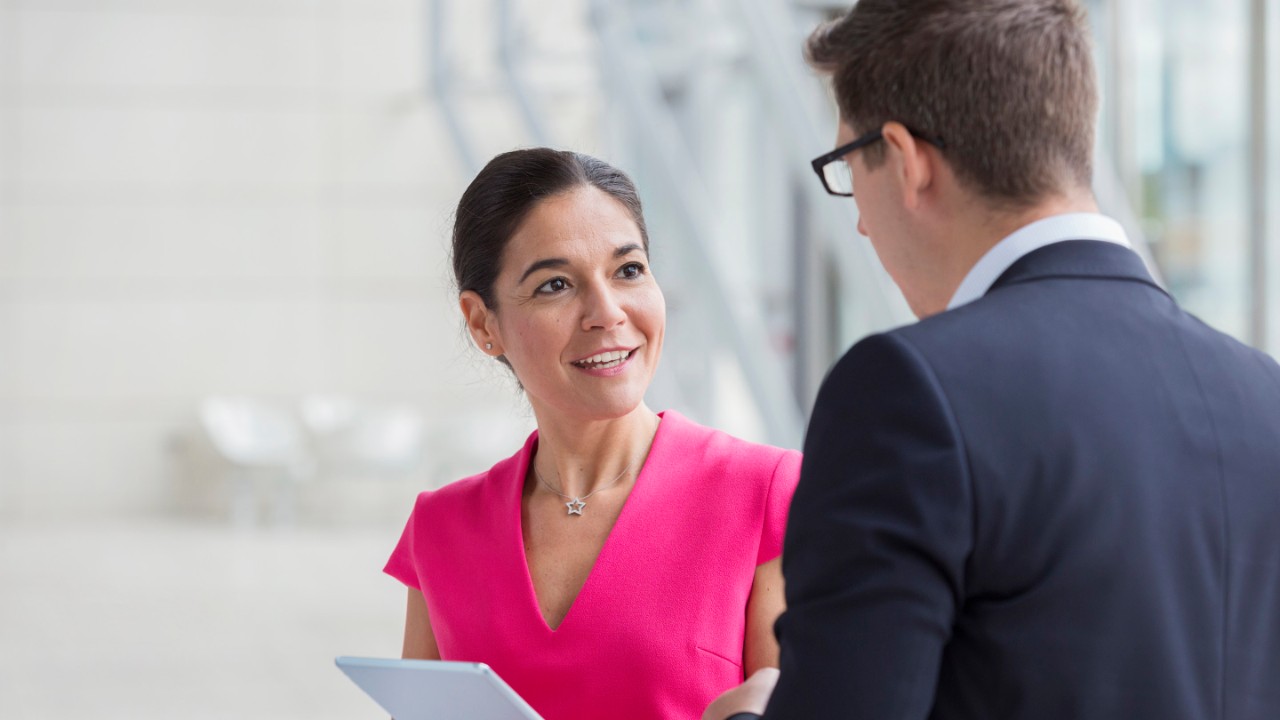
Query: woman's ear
x=480, y=322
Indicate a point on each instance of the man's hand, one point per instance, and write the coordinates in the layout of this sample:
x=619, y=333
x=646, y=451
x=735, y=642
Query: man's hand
x=750, y=696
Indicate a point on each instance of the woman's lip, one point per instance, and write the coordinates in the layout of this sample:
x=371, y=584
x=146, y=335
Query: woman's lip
x=628, y=350
x=610, y=370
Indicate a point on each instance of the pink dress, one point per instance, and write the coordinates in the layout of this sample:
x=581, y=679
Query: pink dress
x=657, y=630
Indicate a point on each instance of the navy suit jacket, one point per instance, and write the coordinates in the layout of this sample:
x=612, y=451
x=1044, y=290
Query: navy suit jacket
x=1059, y=501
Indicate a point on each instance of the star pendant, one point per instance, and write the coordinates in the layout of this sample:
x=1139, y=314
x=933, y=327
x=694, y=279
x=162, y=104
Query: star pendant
x=575, y=507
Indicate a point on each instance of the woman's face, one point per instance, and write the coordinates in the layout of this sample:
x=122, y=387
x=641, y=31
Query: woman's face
x=579, y=316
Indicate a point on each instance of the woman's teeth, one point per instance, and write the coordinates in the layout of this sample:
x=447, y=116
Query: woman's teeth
x=604, y=360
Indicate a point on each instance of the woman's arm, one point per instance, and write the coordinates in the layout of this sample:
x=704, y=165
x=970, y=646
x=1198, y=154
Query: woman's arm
x=419, y=640
x=760, y=648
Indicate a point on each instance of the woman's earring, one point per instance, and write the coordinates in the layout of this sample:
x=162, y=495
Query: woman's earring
x=488, y=346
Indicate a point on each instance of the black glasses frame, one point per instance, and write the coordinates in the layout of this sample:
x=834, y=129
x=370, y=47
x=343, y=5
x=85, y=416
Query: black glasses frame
x=820, y=162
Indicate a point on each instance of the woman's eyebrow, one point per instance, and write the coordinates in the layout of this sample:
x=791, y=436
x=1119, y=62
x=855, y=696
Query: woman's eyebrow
x=561, y=262
x=543, y=264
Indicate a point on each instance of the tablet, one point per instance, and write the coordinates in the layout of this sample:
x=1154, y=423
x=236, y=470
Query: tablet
x=436, y=689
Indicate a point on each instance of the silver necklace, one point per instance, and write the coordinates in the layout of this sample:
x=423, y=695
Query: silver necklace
x=577, y=504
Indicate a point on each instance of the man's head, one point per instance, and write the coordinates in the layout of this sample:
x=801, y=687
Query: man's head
x=1008, y=85
x=1000, y=100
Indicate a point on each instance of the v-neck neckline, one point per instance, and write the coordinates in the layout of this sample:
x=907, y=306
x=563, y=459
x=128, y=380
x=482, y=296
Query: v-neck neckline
x=633, y=497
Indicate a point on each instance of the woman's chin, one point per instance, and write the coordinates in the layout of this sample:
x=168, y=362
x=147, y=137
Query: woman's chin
x=614, y=406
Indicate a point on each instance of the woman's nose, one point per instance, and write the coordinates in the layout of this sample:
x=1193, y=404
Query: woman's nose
x=602, y=309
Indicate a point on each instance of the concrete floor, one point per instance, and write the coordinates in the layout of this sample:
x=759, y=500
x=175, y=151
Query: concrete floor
x=169, y=619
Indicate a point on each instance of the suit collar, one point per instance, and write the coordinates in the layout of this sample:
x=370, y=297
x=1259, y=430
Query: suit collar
x=1027, y=239
x=1077, y=259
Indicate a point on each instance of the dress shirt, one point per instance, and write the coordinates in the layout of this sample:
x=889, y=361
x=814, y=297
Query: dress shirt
x=1050, y=230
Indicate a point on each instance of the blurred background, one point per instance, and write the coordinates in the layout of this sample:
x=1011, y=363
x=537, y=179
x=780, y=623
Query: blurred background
x=230, y=354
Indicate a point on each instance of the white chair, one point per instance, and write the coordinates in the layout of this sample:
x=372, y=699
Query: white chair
x=370, y=459
x=261, y=443
x=351, y=437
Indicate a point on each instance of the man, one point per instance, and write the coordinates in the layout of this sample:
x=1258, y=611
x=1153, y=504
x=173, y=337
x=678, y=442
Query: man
x=1057, y=495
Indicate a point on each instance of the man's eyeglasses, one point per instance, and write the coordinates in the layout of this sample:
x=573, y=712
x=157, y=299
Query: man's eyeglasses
x=834, y=171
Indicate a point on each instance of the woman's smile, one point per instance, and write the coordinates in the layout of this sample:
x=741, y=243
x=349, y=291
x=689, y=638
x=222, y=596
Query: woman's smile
x=605, y=364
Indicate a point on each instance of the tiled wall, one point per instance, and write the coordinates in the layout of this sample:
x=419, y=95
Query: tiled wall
x=203, y=196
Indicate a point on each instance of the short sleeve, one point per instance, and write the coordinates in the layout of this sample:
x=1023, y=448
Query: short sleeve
x=777, y=504
x=403, y=565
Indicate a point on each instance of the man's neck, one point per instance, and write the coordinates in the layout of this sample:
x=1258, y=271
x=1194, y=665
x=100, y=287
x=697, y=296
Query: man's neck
x=997, y=226
x=978, y=227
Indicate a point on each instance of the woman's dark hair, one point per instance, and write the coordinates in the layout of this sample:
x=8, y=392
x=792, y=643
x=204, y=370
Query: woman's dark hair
x=504, y=193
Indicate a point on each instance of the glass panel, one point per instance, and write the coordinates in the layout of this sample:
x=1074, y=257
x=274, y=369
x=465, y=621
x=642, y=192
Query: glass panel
x=1190, y=143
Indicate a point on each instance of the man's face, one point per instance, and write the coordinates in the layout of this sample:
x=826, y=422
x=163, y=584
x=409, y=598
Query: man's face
x=881, y=214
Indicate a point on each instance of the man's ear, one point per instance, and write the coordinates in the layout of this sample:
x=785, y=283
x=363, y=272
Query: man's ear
x=915, y=170
x=480, y=322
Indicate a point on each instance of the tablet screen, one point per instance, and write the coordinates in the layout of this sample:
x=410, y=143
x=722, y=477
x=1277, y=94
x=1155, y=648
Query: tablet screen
x=436, y=689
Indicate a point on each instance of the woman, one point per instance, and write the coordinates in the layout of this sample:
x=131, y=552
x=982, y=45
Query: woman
x=622, y=564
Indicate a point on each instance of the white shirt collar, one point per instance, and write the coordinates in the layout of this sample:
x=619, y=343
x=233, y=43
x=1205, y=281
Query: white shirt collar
x=1050, y=230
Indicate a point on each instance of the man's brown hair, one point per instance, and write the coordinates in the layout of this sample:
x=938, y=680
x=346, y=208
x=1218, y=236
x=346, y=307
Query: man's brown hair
x=1007, y=85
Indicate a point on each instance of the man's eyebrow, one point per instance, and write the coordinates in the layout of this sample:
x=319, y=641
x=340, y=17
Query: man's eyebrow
x=543, y=264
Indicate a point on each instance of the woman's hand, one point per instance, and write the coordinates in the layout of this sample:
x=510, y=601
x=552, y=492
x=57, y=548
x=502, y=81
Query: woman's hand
x=750, y=696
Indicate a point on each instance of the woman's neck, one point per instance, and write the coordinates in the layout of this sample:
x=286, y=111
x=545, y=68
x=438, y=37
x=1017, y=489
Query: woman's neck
x=578, y=458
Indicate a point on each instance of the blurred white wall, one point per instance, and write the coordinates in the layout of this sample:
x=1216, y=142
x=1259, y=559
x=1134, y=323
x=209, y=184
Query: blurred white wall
x=217, y=196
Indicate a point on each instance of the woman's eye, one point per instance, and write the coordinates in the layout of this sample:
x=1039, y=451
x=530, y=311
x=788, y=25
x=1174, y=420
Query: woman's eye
x=553, y=285
x=631, y=270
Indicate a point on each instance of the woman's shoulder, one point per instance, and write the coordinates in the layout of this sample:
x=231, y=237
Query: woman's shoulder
x=713, y=448
x=463, y=490
x=751, y=482
x=478, y=490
